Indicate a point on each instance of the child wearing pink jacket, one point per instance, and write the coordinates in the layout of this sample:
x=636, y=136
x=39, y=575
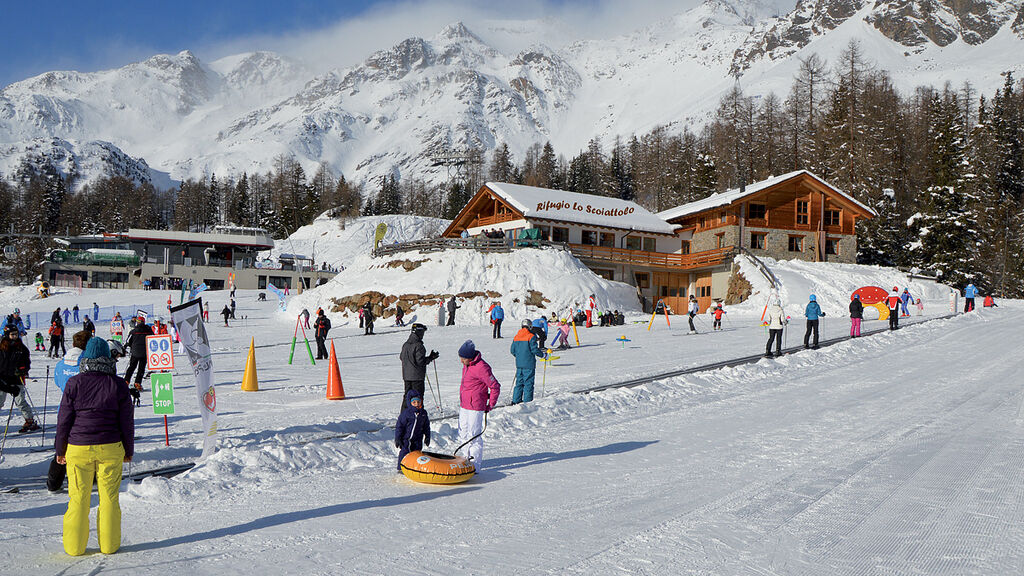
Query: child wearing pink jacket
x=478, y=395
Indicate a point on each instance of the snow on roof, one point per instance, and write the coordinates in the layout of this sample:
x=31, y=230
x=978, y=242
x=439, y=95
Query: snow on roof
x=578, y=208
x=729, y=196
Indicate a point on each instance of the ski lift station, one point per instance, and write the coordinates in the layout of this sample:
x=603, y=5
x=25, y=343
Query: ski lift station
x=229, y=255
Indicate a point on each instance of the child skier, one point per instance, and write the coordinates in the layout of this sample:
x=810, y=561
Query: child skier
x=40, y=342
x=412, y=431
x=718, y=312
x=562, y=340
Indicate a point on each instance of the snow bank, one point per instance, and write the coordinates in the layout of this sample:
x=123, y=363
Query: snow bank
x=326, y=241
x=557, y=277
x=832, y=282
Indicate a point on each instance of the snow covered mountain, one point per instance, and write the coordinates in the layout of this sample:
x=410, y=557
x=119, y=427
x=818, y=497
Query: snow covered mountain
x=467, y=88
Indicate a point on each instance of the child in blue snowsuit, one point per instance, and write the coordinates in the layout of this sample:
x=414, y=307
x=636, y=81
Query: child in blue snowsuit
x=524, y=348
x=412, y=431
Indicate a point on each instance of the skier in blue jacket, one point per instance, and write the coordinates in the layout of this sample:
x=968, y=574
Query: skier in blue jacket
x=412, y=431
x=524, y=348
x=813, y=312
x=497, y=317
x=540, y=328
x=969, y=293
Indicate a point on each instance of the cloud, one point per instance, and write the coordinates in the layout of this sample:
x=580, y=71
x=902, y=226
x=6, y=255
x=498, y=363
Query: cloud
x=384, y=24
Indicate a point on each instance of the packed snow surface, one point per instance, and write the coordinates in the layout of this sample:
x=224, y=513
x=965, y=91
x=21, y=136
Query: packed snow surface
x=897, y=453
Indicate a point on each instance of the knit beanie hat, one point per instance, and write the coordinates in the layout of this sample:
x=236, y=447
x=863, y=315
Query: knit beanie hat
x=467, y=350
x=96, y=348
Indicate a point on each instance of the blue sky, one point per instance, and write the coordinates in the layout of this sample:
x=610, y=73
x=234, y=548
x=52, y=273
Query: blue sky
x=90, y=35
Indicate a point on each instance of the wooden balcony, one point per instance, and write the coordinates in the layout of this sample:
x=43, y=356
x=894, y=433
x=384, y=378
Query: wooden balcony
x=653, y=259
x=495, y=219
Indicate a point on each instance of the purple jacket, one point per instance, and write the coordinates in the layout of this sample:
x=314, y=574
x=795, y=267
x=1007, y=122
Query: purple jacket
x=96, y=409
x=479, y=390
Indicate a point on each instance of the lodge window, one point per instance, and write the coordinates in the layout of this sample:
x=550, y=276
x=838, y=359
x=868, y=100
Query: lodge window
x=801, y=212
x=758, y=211
x=723, y=217
x=545, y=231
x=831, y=217
x=643, y=281
x=649, y=245
x=703, y=291
x=632, y=242
x=757, y=240
x=589, y=238
x=720, y=240
x=832, y=246
x=607, y=239
x=559, y=234
x=261, y=282
x=796, y=243
x=686, y=247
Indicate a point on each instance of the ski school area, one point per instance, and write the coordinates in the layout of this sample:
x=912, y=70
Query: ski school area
x=894, y=453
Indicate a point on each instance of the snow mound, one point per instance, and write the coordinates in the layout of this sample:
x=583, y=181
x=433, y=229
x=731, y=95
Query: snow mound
x=833, y=284
x=326, y=240
x=528, y=282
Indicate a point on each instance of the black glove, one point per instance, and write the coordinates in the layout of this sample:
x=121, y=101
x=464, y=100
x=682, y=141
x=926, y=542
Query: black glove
x=823, y=314
x=136, y=396
x=433, y=356
x=398, y=444
x=426, y=442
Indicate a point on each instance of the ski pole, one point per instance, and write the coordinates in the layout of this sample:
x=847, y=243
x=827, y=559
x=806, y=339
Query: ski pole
x=46, y=390
x=6, y=427
x=437, y=382
x=434, y=396
x=544, y=379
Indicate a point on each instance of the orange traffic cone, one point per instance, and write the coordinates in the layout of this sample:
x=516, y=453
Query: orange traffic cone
x=335, y=391
x=249, y=381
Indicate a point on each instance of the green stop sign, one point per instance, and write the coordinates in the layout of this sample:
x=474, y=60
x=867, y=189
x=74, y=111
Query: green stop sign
x=163, y=393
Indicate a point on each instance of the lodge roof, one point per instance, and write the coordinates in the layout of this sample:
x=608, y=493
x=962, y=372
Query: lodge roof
x=733, y=195
x=560, y=205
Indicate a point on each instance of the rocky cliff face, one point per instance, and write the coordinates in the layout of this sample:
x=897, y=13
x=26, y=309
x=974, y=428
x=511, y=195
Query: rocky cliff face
x=942, y=22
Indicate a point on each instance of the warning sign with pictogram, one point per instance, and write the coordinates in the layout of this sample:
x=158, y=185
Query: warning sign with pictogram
x=159, y=353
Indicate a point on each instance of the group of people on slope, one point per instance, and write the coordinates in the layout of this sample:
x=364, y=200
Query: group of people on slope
x=478, y=392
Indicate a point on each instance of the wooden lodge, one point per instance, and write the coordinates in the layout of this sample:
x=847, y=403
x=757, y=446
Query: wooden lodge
x=682, y=251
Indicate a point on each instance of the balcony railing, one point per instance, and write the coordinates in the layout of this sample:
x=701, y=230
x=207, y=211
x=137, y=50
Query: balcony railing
x=654, y=259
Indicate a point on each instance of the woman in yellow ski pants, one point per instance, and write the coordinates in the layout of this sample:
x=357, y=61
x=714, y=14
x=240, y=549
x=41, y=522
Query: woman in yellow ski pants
x=102, y=462
x=95, y=434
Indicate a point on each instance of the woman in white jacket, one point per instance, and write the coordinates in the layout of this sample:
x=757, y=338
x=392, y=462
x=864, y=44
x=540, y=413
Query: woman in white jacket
x=775, y=318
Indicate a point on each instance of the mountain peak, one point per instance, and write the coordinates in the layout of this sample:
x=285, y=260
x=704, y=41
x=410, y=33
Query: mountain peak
x=457, y=30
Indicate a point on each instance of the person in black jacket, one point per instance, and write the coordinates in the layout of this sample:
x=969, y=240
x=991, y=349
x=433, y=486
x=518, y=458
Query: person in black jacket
x=137, y=344
x=322, y=326
x=368, y=318
x=856, y=315
x=452, y=307
x=414, y=359
x=88, y=326
x=412, y=430
x=15, y=362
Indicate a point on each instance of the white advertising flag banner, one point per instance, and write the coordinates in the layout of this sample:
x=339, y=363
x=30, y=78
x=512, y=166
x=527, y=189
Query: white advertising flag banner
x=189, y=319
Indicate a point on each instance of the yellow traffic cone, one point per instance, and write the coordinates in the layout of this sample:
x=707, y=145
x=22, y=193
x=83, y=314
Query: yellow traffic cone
x=250, y=382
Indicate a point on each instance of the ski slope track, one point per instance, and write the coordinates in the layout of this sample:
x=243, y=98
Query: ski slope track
x=898, y=453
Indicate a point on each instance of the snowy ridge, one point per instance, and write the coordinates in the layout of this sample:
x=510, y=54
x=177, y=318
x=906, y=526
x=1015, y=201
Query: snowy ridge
x=326, y=241
x=510, y=277
x=832, y=283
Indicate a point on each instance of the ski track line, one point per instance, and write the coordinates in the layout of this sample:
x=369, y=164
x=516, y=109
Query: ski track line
x=918, y=430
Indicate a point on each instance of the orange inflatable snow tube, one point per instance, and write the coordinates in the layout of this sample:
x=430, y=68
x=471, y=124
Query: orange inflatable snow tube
x=432, y=468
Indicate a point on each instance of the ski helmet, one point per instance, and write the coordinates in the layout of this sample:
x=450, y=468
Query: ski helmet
x=526, y=323
x=813, y=297
x=418, y=328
